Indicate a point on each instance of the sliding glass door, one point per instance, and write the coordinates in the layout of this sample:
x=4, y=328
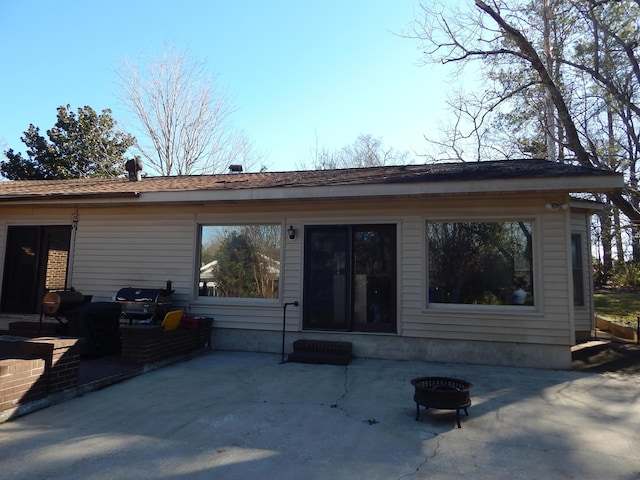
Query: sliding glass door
x=350, y=278
x=35, y=263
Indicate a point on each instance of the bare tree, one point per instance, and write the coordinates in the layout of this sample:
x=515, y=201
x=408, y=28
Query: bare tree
x=369, y=151
x=577, y=58
x=183, y=117
x=365, y=151
x=471, y=134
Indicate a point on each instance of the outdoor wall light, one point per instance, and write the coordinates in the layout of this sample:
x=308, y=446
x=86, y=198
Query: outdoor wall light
x=556, y=206
x=291, y=232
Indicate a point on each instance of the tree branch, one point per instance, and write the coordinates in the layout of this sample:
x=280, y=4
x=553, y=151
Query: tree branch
x=530, y=54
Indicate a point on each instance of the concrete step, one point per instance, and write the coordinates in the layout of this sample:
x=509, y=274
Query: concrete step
x=321, y=352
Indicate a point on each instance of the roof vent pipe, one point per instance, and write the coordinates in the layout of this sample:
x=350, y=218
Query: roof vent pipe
x=134, y=167
x=235, y=168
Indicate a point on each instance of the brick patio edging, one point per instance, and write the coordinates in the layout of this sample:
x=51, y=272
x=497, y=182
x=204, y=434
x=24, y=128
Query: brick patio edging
x=99, y=384
x=39, y=367
x=146, y=344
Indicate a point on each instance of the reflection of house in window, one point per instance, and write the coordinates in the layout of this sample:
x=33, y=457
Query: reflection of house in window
x=240, y=261
x=207, y=284
x=208, y=287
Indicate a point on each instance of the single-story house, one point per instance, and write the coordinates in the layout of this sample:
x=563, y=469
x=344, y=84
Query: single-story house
x=483, y=262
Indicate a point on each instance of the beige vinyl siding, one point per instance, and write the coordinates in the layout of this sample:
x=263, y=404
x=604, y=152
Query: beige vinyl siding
x=291, y=274
x=36, y=216
x=412, y=283
x=113, y=251
x=146, y=246
x=555, y=275
x=245, y=316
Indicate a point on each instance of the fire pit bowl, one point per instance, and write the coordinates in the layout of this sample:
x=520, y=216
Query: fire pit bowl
x=442, y=393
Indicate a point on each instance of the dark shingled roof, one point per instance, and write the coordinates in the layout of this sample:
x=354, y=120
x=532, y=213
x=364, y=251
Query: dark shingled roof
x=407, y=174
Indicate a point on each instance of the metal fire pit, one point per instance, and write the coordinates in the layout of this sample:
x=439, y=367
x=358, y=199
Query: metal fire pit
x=442, y=393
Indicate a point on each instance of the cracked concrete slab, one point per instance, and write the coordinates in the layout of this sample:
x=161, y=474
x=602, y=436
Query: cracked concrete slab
x=230, y=415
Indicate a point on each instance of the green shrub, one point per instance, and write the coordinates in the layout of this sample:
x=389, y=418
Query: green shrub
x=627, y=274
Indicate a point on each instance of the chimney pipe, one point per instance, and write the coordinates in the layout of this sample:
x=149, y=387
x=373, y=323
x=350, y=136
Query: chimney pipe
x=134, y=167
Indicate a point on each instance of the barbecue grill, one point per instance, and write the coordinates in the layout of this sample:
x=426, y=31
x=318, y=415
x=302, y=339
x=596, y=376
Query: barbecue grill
x=56, y=304
x=144, y=305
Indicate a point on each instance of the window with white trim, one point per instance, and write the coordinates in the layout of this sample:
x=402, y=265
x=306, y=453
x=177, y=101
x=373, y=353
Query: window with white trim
x=239, y=261
x=480, y=263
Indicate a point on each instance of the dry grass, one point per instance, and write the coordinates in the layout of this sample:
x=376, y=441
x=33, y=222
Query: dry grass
x=620, y=306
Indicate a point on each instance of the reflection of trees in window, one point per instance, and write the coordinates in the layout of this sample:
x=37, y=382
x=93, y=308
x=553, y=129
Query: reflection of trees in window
x=240, y=261
x=374, y=264
x=578, y=274
x=480, y=262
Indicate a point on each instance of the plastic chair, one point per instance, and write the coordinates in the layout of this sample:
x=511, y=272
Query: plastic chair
x=172, y=320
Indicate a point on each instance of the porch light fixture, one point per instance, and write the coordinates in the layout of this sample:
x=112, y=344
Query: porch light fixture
x=556, y=206
x=291, y=232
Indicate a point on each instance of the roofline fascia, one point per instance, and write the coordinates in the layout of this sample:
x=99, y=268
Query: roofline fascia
x=592, y=206
x=519, y=185
x=574, y=184
x=66, y=196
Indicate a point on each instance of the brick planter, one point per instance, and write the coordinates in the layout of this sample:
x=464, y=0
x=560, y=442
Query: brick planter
x=144, y=344
x=63, y=366
x=21, y=381
x=37, y=367
x=35, y=329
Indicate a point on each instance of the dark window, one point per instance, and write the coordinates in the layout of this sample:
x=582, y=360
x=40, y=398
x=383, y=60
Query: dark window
x=578, y=274
x=350, y=278
x=36, y=262
x=480, y=263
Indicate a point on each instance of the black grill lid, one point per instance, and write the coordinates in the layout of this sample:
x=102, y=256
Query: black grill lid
x=153, y=295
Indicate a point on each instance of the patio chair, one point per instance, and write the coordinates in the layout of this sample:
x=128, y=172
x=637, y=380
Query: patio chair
x=172, y=320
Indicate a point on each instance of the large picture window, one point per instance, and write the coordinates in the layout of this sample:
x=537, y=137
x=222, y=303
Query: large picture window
x=481, y=263
x=239, y=261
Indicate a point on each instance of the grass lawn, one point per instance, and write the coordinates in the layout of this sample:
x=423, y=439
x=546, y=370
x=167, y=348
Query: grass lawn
x=622, y=307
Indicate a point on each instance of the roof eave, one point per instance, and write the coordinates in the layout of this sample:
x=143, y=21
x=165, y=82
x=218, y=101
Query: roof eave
x=569, y=184
x=64, y=197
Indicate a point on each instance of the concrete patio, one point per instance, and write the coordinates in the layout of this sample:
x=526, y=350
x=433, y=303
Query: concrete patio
x=244, y=415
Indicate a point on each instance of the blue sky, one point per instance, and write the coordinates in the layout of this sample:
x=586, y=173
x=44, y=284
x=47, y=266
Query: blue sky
x=297, y=71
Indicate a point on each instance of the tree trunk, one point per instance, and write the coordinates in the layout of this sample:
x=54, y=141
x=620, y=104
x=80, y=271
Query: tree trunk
x=550, y=117
x=528, y=53
x=617, y=234
x=605, y=241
